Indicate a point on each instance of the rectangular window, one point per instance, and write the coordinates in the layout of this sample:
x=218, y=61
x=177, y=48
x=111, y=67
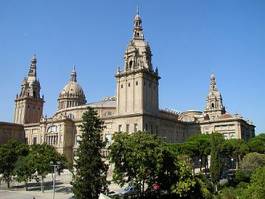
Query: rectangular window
x=146, y=127
x=127, y=127
x=34, y=140
x=120, y=128
x=135, y=127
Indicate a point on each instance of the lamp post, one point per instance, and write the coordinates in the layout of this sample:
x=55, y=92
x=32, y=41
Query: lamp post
x=55, y=167
x=232, y=163
x=200, y=162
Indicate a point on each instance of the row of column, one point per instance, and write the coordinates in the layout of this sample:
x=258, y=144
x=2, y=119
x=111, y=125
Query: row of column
x=52, y=139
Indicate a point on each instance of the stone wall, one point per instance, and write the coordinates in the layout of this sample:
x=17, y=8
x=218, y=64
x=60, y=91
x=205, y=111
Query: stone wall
x=11, y=131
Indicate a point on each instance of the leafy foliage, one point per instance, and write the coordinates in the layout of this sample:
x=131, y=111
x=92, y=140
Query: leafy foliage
x=24, y=170
x=257, y=144
x=256, y=188
x=39, y=158
x=216, y=167
x=235, y=149
x=91, y=171
x=24, y=161
x=9, y=154
x=204, y=187
x=141, y=158
x=249, y=163
x=198, y=147
x=186, y=182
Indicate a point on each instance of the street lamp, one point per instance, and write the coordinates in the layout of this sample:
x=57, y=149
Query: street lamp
x=55, y=167
x=232, y=163
x=200, y=162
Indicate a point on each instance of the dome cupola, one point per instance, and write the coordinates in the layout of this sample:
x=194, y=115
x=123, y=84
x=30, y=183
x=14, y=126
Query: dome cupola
x=72, y=94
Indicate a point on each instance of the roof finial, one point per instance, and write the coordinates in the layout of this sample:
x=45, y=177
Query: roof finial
x=33, y=66
x=73, y=75
x=74, y=68
x=137, y=10
x=138, y=30
x=213, y=83
x=34, y=59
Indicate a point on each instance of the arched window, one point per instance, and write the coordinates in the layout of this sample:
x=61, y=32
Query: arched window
x=130, y=64
x=212, y=105
x=51, y=136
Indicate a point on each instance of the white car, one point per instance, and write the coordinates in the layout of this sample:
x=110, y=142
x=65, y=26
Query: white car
x=130, y=190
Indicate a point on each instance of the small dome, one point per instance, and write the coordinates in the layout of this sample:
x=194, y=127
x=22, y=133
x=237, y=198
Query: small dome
x=137, y=17
x=72, y=88
x=72, y=94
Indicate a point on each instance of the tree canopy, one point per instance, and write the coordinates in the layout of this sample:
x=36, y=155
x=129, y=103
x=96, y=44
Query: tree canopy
x=9, y=154
x=256, y=189
x=216, y=167
x=40, y=158
x=91, y=171
x=198, y=148
x=141, y=157
x=257, y=144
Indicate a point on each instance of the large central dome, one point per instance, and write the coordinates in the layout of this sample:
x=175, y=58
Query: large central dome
x=72, y=94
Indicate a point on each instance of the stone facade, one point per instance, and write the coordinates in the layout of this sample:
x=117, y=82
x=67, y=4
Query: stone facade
x=11, y=131
x=135, y=106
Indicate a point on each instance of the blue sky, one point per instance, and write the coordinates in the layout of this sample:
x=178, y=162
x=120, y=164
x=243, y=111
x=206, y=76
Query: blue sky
x=190, y=39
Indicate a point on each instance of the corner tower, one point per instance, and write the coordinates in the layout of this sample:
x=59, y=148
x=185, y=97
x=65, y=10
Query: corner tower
x=29, y=104
x=214, y=103
x=137, y=83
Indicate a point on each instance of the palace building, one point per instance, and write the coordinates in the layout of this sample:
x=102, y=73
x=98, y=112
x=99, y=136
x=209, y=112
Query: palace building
x=135, y=106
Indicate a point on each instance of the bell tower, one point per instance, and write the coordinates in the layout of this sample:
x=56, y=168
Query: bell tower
x=214, y=103
x=29, y=104
x=137, y=83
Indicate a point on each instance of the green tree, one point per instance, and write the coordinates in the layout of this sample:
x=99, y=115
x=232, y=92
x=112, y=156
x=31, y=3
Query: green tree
x=257, y=144
x=24, y=170
x=216, y=166
x=91, y=171
x=141, y=158
x=256, y=188
x=248, y=164
x=204, y=188
x=231, y=192
x=198, y=147
x=39, y=158
x=186, y=182
x=235, y=149
x=9, y=154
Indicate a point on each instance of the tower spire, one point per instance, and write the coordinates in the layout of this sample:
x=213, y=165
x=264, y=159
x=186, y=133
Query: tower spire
x=213, y=86
x=73, y=75
x=214, y=103
x=33, y=67
x=29, y=103
x=138, y=30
